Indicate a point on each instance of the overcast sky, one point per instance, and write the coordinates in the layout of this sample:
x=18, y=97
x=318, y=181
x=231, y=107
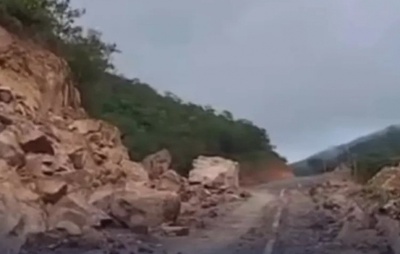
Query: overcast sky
x=313, y=73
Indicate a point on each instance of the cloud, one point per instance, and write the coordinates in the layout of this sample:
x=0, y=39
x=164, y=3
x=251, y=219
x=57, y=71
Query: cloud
x=313, y=73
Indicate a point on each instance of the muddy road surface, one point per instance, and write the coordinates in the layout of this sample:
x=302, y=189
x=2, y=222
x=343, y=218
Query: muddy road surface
x=310, y=215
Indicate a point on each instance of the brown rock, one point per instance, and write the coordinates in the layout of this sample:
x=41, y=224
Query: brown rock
x=196, y=193
x=116, y=154
x=231, y=197
x=187, y=209
x=73, y=219
x=390, y=229
x=74, y=214
x=35, y=141
x=85, y=126
x=70, y=227
x=6, y=94
x=40, y=164
x=215, y=172
x=134, y=171
x=51, y=190
x=157, y=163
x=138, y=205
x=175, y=230
x=10, y=150
x=10, y=210
x=212, y=201
x=95, y=217
x=5, y=170
x=5, y=120
x=170, y=181
x=17, y=218
x=98, y=156
x=78, y=158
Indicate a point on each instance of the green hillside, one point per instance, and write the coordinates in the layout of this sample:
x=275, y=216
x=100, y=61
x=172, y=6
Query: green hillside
x=365, y=155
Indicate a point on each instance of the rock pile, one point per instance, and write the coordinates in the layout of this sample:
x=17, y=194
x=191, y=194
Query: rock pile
x=211, y=182
x=382, y=196
x=62, y=171
x=351, y=225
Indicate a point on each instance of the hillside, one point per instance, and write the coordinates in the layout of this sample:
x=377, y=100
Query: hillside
x=148, y=120
x=367, y=154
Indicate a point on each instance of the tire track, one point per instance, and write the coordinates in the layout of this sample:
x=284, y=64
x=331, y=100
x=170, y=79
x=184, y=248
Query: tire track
x=269, y=248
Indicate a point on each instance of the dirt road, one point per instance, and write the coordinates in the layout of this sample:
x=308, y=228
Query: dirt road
x=283, y=218
x=249, y=229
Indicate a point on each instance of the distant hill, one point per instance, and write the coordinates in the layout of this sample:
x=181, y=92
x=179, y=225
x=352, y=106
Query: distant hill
x=369, y=153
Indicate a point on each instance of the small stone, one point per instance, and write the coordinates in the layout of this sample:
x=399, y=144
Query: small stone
x=176, y=230
x=70, y=227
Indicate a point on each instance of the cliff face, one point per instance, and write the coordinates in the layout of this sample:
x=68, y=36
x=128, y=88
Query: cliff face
x=39, y=79
x=61, y=170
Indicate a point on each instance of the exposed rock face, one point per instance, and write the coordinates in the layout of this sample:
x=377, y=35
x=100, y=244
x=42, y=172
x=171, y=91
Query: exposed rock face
x=38, y=79
x=215, y=172
x=62, y=171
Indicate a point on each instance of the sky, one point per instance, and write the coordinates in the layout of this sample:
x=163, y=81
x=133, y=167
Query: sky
x=312, y=73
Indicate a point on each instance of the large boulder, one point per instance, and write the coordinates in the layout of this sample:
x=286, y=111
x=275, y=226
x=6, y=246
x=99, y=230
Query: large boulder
x=136, y=205
x=158, y=163
x=74, y=214
x=215, y=172
x=20, y=215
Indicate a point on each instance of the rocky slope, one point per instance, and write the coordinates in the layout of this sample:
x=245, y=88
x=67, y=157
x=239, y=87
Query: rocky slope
x=64, y=173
